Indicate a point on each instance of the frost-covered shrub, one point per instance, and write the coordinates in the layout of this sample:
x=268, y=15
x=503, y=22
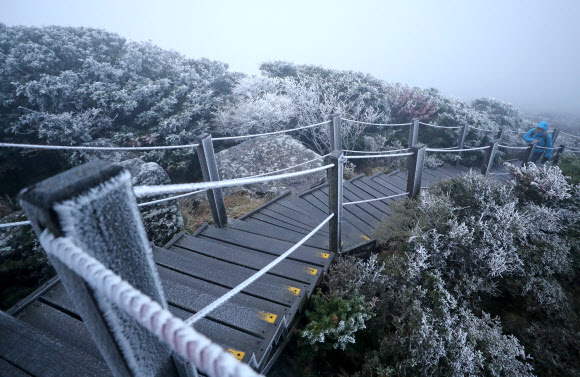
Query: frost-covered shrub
x=334, y=321
x=541, y=184
x=350, y=274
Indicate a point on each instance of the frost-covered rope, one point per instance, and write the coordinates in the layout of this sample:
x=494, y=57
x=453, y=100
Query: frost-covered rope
x=436, y=126
x=546, y=148
x=456, y=150
x=10, y=225
x=379, y=156
x=376, y=152
x=375, y=199
x=181, y=338
x=142, y=191
x=269, y=133
x=480, y=129
x=508, y=147
x=289, y=168
x=377, y=124
x=87, y=148
x=516, y=131
x=211, y=307
x=170, y=198
x=567, y=134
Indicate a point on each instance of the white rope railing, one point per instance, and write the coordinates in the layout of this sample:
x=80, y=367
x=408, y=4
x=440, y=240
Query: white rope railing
x=88, y=148
x=18, y=223
x=211, y=307
x=143, y=191
x=207, y=356
x=508, y=147
x=546, y=148
x=377, y=124
x=375, y=199
x=376, y=152
x=379, y=156
x=436, y=126
x=456, y=150
x=289, y=168
x=570, y=135
x=481, y=129
x=269, y=133
x=517, y=131
x=170, y=198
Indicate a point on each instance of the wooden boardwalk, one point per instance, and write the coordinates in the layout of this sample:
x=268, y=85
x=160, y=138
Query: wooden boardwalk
x=46, y=336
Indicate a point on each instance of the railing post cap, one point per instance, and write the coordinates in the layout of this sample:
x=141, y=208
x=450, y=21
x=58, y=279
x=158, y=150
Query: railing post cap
x=418, y=146
x=202, y=136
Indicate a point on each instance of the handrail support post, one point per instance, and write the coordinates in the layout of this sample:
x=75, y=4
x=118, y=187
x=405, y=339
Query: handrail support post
x=415, y=170
x=489, y=157
x=210, y=172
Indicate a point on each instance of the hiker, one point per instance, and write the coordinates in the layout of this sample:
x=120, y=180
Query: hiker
x=542, y=138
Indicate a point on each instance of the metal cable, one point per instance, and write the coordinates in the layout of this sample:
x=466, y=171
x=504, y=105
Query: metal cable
x=209, y=357
x=211, y=307
x=455, y=150
x=375, y=152
x=153, y=190
x=374, y=200
x=289, y=168
x=436, y=126
x=87, y=148
x=269, y=133
x=170, y=198
x=377, y=124
x=19, y=223
x=379, y=156
x=508, y=147
x=481, y=129
x=567, y=134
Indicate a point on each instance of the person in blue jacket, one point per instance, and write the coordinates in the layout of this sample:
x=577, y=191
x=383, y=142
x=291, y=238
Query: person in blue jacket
x=542, y=138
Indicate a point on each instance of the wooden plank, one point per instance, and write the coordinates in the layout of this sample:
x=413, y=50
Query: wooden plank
x=256, y=260
x=385, y=181
x=283, y=224
x=268, y=287
x=436, y=174
x=53, y=320
x=305, y=254
x=375, y=192
x=291, y=217
x=428, y=179
x=299, y=204
x=275, y=232
x=42, y=355
x=9, y=370
x=353, y=216
x=358, y=194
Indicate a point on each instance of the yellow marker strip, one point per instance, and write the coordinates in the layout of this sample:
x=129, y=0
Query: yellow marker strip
x=323, y=255
x=268, y=317
x=237, y=354
x=365, y=237
x=294, y=291
x=311, y=271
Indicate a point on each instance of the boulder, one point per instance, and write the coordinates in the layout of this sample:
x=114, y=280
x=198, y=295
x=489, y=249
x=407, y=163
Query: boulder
x=267, y=154
x=161, y=220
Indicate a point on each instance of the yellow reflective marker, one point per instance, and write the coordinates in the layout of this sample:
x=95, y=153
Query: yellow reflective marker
x=268, y=317
x=294, y=291
x=237, y=354
x=323, y=255
x=311, y=271
x=365, y=237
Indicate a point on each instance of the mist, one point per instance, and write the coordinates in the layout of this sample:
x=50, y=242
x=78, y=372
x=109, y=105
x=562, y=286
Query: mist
x=521, y=52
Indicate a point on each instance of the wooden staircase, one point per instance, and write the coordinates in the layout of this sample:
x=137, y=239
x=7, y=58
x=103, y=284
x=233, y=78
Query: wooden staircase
x=197, y=269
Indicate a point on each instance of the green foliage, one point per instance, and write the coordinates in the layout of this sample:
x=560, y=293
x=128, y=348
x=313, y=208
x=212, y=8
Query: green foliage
x=570, y=166
x=334, y=320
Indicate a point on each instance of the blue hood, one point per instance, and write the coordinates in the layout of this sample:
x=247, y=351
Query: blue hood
x=543, y=125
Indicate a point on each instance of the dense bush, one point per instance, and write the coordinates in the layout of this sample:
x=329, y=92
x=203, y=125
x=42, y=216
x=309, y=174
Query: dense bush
x=454, y=265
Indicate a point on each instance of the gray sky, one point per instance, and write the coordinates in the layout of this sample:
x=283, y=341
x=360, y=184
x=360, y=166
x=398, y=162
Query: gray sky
x=525, y=52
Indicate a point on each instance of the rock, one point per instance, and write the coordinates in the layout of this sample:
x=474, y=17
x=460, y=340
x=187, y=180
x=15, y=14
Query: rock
x=161, y=220
x=266, y=154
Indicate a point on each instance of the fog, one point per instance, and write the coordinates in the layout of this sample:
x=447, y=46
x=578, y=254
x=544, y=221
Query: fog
x=523, y=52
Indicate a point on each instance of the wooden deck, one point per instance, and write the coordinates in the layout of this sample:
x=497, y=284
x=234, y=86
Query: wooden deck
x=46, y=337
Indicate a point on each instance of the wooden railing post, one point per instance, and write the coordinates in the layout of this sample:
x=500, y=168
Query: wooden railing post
x=528, y=154
x=559, y=152
x=94, y=206
x=413, y=132
x=415, y=173
x=210, y=173
x=461, y=141
x=489, y=156
x=335, y=179
x=500, y=134
x=555, y=136
x=335, y=133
